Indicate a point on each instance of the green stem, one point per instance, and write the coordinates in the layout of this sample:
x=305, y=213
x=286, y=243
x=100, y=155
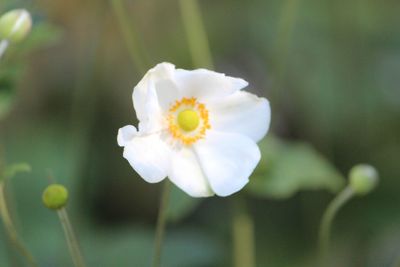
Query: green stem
x=10, y=228
x=286, y=24
x=196, y=34
x=243, y=236
x=130, y=36
x=326, y=223
x=285, y=28
x=161, y=223
x=72, y=242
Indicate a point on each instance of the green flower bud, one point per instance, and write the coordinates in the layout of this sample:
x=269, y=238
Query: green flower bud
x=15, y=25
x=55, y=196
x=363, y=179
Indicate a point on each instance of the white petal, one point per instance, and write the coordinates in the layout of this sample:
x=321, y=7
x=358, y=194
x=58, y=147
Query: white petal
x=167, y=93
x=163, y=70
x=227, y=160
x=145, y=99
x=186, y=173
x=207, y=85
x=149, y=156
x=126, y=134
x=243, y=113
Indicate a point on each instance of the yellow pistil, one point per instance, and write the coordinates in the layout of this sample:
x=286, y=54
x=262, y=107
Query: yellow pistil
x=188, y=120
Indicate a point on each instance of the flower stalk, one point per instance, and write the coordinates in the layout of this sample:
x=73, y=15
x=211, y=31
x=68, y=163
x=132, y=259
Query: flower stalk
x=243, y=236
x=161, y=223
x=134, y=49
x=72, y=241
x=326, y=223
x=196, y=34
x=55, y=197
x=363, y=178
x=11, y=230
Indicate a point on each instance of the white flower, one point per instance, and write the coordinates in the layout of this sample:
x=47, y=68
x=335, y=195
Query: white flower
x=196, y=127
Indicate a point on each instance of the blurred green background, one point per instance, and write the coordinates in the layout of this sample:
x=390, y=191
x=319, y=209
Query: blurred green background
x=331, y=70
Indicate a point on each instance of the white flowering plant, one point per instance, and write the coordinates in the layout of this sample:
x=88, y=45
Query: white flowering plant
x=198, y=128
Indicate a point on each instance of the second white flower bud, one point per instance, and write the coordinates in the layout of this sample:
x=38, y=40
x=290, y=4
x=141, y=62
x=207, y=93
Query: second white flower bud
x=15, y=25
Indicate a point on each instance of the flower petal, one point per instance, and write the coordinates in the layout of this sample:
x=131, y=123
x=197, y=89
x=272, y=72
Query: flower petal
x=167, y=93
x=227, y=160
x=186, y=173
x=149, y=156
x=206, y=85
x=243, y=113
x=145, y=99
x=126, y=134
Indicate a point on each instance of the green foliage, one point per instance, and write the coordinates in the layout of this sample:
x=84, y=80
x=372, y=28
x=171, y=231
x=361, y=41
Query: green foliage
x=11, y=170
x=288, y=167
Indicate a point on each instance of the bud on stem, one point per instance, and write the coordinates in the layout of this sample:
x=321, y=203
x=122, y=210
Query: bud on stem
x=55, y=196
x=363, y=179
x=15, y=25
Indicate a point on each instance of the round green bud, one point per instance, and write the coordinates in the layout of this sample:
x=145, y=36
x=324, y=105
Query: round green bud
x=15, y=25
x=363, y=179
x=55, y=196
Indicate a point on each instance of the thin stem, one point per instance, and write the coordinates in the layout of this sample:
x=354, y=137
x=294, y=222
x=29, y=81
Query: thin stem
x=130, y=36
x=326, y=223
x=3, y=47
x=243, y=236
x=161, y=223
x=10, y=228
x=285, y=28
x=196, y=34
x=72, y=242
x=283, y=38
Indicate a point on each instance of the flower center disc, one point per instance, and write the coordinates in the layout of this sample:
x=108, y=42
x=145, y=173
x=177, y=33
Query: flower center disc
x=188, y=120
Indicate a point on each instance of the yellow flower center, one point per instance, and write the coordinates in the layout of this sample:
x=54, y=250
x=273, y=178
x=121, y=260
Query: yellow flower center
x=188, y=120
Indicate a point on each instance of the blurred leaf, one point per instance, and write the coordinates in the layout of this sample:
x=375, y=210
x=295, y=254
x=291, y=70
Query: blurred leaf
x=11, y=170
x=180, y=204
x=288, y=167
